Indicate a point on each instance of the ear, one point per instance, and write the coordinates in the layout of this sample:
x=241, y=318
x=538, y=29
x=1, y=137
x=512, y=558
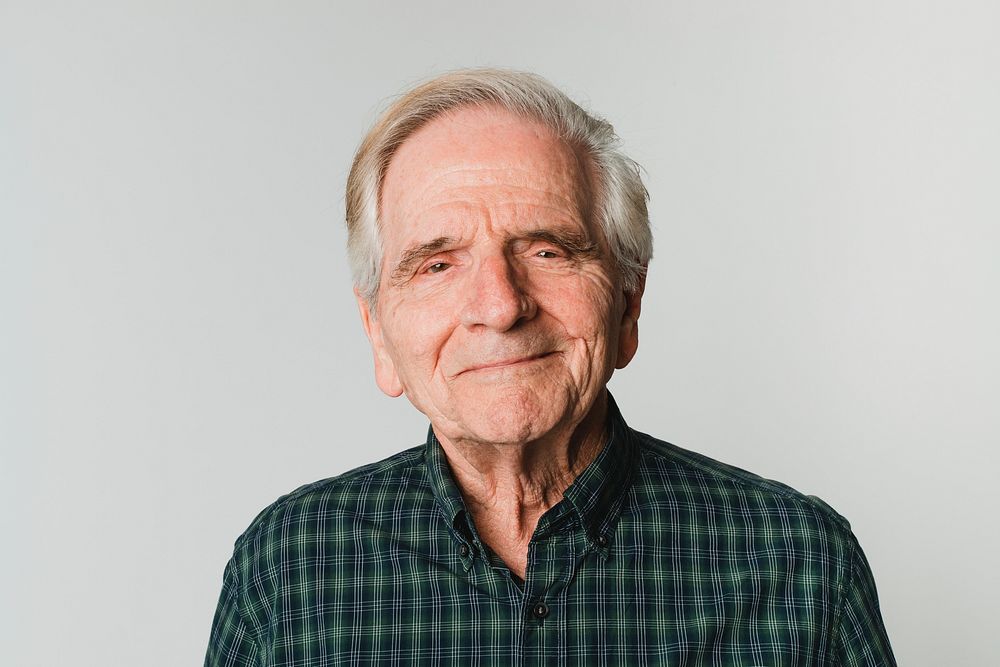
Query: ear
x=385, y=369
x=628, y=334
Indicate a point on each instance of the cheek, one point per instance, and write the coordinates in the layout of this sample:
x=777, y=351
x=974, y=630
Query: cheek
x=415, y=338
x=586, y=310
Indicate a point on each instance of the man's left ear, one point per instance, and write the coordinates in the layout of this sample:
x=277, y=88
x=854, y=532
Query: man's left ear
x=628, y=335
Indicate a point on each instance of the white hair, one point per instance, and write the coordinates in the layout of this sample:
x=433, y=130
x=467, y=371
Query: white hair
x=621, y=196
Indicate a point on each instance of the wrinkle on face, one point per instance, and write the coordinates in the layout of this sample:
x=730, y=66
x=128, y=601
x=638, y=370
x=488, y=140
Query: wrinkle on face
x=490, y=256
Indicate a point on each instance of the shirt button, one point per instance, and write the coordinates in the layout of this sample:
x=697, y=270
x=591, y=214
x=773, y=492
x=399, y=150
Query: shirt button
x=464, y=550
x=602, y=540
x=540, y=610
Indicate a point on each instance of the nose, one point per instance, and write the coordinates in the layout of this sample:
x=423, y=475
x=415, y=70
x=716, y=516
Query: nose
x=496, y=298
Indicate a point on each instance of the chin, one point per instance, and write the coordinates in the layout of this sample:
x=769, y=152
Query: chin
x=511, y=415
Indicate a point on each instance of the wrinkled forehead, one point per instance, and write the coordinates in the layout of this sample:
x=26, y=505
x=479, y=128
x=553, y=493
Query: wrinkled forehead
x=485, y=156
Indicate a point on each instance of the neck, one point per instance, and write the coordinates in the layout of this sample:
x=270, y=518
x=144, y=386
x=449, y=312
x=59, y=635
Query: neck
x=507, y=488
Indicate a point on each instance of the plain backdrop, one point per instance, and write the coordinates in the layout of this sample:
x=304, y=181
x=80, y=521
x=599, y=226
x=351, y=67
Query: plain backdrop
x=179, y=344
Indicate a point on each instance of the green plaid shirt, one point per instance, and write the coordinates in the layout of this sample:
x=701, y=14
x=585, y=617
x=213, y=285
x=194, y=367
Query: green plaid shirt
x=655, y=556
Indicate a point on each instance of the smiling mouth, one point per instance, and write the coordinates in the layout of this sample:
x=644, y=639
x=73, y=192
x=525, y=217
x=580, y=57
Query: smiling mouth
x=507, y=363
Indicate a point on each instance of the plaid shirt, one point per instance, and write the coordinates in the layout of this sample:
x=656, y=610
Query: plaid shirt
x=655, y=556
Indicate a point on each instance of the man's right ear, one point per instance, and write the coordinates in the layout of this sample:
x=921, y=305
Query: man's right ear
x=385, y=369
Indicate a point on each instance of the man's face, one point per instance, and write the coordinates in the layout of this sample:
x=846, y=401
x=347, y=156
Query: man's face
x=499, y=314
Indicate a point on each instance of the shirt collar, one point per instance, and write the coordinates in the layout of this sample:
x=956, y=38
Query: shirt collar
x=595, y=496
x=443, y=486
x=598, y=492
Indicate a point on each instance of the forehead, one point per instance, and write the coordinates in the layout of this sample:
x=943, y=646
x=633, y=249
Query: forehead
x=481, y=157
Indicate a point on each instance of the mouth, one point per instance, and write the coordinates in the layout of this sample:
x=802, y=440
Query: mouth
x=512, y=362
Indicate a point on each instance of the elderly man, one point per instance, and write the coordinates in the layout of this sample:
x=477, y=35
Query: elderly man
x=499, y=242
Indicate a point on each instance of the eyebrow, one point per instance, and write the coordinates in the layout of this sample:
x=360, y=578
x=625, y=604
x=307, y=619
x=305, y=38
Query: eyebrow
x=579, y=245
x=416, y=254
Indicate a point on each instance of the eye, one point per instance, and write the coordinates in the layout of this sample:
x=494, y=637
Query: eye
x=546, y=254
x=437, y=267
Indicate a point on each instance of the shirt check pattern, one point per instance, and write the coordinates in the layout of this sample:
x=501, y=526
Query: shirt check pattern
x=655, y=556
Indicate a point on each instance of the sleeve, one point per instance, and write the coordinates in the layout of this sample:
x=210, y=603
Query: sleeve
x=861, y=640
x=231, y=643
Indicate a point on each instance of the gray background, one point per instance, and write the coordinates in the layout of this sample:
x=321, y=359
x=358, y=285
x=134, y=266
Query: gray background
x=179, y=343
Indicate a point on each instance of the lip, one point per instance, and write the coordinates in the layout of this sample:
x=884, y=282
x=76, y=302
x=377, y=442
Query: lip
x=506, y=363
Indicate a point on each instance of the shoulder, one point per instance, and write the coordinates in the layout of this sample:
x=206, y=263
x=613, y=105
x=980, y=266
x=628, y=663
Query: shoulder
x=371, y=489
x=674, y=475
